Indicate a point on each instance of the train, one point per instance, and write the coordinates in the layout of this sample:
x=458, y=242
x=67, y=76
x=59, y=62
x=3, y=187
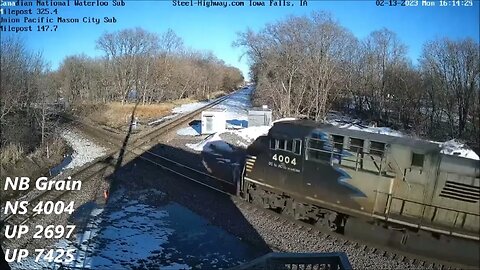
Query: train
x=327, y=175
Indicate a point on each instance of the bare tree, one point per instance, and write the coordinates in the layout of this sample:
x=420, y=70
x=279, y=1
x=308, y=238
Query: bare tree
x=404, y=97
x=26, y=96
x=453, y=70
x=127, y=52
x=171, y=43
x=381, y=51
x=15, y=67
x=20, y=72
x=298, y=63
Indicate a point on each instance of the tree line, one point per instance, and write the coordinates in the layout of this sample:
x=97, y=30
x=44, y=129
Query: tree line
x=23, y=84
x=305, y=66
x=136, y=66
x=146, y=66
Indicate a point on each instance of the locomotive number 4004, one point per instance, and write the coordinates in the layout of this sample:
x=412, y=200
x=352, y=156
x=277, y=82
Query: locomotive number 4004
x=285, y=159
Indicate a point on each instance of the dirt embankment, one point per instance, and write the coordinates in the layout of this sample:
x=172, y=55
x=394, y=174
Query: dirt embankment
x=32, y=165
x=117, y=116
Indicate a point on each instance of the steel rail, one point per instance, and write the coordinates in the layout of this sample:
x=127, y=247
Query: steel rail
x=137, y=151
x=137, y=143
x=367, y=248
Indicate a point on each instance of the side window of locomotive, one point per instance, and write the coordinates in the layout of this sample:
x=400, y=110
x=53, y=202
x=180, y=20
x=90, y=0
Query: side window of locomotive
x=356, y=145
x=281, y=144
x=337, y=143
x=417, y=160
x=318, y=150
x=293, y=146
x=377, y=148
x=289, y=146
x=297, y=147
x=314, y=143
x=273, y=143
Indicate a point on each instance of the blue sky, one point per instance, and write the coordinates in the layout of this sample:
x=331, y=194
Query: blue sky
x=215, y=28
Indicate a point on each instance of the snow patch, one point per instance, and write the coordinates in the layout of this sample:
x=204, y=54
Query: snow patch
x=143, y=230
x=187, y=131
x=250, y=134
x=194, y=129
x=212, y=143
x=456, y=148
x=184, y=108
x=190, y=107
x=285, y=119
x=236, y=108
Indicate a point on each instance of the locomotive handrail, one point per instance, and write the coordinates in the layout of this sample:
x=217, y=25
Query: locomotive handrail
x=420, y=222
x=429, y=205
x=358, y=158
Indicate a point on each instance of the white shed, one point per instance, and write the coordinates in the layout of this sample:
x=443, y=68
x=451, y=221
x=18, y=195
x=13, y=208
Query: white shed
x=213, y=120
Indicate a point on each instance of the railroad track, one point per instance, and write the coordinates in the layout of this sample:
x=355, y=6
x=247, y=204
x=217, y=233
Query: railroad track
x=87, y=172
x=228, y=189
x=145, y=137
x=137, y=149
x=192, y=174
x=343, y=242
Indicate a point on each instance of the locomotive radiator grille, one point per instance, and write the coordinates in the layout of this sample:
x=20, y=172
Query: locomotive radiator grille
x=461, y=192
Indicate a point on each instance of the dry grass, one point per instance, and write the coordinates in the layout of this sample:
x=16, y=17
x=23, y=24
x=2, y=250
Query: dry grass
x=33, y=165
x=217, y=94
x=10, y=154
x=56, y=147
x=116, y=115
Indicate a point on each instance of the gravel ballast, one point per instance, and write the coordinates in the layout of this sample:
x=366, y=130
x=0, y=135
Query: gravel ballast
x=84, y=149
x=250, y=224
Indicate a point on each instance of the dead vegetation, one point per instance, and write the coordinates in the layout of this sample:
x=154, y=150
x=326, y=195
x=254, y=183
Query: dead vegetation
x=10, y=154
x=15, y=162
x=116, y=115
x=140, y=65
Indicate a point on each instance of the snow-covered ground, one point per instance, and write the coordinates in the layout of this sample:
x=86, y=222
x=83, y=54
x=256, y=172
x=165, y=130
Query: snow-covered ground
x=456, y=148
x=236, y=112
x=190, y=107
x=344, y=121
x=116, y=238
x=236, y=108
x=143, y=230
x=120, y=238
x=237, y=117
x=184, y=108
